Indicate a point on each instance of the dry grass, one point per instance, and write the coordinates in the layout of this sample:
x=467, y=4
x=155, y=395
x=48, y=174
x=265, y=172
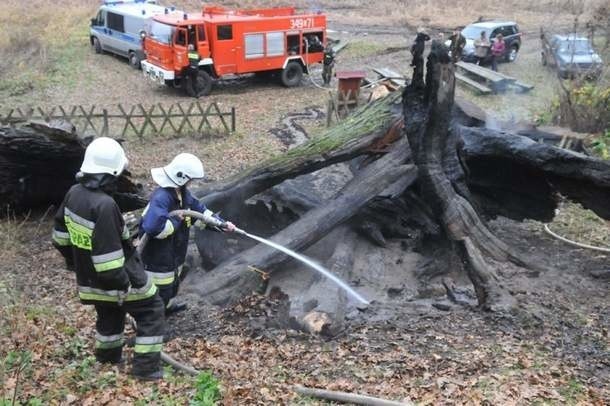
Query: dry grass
x=222, y=157
x=41, y=43
x=13, y=233
x=581, y=225
x=432, y=13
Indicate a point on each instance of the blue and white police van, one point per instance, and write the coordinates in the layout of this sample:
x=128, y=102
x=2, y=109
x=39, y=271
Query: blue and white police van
x=118, y=25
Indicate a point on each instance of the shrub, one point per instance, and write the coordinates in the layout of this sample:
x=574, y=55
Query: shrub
x=584, y=107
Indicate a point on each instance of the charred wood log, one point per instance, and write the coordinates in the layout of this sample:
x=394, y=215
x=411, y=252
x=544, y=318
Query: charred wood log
x=231, y=280
x=38, y=163
x=519, y=178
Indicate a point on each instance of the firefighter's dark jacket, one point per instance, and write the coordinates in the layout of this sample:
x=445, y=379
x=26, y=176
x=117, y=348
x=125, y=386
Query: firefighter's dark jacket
x=166, y=250
x=91, y=234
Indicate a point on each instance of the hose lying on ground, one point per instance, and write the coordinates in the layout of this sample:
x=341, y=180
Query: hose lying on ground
x=345, y=397
x=187, y=369
x=574, y=243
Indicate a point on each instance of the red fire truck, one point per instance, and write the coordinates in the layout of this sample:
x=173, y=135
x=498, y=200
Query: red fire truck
x=225, y=41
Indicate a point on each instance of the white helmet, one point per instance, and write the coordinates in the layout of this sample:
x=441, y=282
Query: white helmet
x=104, y=155
x=183, y=168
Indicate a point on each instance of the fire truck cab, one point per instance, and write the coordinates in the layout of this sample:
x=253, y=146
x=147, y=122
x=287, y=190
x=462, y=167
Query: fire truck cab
x=190, y=51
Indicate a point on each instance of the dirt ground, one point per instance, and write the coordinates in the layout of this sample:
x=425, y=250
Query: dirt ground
x=554, y=350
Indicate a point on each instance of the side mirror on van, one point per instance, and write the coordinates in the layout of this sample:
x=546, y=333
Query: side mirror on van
x=93, y=21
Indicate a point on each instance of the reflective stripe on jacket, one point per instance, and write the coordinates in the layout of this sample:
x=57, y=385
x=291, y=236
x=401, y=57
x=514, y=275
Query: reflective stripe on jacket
x=90, y=232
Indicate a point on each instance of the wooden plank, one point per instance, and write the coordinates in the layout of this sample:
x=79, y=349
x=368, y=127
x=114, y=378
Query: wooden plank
x=128, y=122
x=338, y=47
x=233, y=119
x=473, y=83
x=485, y=73
x=394, y=77
x=167, y=118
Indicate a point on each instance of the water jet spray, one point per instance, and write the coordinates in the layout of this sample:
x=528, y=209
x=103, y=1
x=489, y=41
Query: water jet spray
x=219, y=224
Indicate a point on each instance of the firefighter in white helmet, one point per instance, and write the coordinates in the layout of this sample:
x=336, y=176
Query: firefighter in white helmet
x=90, y=233
x=165, y=252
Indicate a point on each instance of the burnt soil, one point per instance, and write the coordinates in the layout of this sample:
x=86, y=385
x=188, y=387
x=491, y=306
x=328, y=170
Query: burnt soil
x=416, y=351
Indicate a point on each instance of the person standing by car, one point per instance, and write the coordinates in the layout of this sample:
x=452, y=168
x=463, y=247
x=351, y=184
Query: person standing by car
x=481, y=48
x=458, y=42
x=497, y=51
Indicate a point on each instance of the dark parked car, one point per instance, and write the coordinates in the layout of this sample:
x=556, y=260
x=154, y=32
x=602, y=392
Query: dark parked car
x=508, y=29
x=572, y=56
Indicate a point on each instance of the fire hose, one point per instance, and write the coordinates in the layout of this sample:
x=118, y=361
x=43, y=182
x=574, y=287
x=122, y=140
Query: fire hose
x=307, y=65
x=210, y=220
x=574, y=243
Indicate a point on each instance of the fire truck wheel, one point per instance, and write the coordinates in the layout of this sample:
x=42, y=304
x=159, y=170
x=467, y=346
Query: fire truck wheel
x=97, y=46
x=134, y=61
x=199, y=87
x=292, y=74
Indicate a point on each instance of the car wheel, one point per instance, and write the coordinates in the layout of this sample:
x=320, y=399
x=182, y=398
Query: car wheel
x=134, y=61
x=292, y=74
x=511, y=56
x=201, y=86
x=97, y=46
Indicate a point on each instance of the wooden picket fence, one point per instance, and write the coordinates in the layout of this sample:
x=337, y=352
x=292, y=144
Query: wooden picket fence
x=179, y=119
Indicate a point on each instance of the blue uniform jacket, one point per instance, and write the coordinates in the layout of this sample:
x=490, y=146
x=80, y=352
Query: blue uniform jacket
x=167, y=246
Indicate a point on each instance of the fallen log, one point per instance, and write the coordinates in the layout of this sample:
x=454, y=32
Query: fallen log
x=345, y=397
x=520, y=178
x=38, y=162
x=230, y=280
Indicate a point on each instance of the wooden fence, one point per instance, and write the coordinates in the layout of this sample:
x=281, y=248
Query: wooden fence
x=177, y=119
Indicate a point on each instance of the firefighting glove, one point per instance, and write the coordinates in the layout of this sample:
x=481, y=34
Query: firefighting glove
x=132, y=221
x=123, y=295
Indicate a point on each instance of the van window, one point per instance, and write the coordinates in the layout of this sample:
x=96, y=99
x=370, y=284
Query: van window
x=100, y=18
x=275, y=43
x=254, y=45
x=292, y=45
x=115, y=22
x=225, y=32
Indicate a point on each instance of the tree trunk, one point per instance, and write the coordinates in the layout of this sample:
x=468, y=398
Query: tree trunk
x=428, y=135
